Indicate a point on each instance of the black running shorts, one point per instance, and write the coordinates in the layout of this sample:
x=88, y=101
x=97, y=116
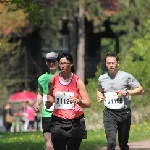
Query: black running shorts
x=46, y=121
x=68, y=127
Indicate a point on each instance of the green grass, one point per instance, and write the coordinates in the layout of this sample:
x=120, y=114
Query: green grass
x=96, y=138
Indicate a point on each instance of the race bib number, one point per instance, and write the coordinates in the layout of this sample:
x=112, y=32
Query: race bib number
x=62, y=100
x=112, y=101
x=44, y=102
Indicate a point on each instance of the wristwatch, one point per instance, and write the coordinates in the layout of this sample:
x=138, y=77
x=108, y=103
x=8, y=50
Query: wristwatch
x=127, y=93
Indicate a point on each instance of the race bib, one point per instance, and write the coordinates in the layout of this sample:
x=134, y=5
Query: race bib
x=44, y=102
x=62, y=100
x=112, y=101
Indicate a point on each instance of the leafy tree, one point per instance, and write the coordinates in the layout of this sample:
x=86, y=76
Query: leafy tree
x=48, y=16
x=137, y=63
x=138, y=60
x=128, y=18
x=11, y=54
x=11, y=22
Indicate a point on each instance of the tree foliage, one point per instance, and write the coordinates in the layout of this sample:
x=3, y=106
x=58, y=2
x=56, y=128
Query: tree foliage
x=11, y=22
x=138, y=59
x=11, y=54
x=127, y=20
x=48, y=16
x=95, y=13
x=137, y=63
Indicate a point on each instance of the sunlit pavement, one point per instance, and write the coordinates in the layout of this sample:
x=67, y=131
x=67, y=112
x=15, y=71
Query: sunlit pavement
x=141, y=145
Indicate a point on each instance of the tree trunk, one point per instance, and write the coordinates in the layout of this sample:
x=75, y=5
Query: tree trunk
x=81, y=46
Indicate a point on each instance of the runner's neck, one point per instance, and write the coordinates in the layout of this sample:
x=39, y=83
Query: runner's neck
x=53, y=72
x=65, y=77
x=113, y=74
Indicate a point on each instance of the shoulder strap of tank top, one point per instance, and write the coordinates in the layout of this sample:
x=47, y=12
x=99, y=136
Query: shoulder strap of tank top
x=75, y=79
x=56, y=77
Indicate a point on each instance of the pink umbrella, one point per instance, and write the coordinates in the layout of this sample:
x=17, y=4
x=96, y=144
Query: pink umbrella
x=22, y=96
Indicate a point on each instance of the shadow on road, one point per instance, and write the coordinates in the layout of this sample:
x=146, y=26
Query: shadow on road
x=130, y=149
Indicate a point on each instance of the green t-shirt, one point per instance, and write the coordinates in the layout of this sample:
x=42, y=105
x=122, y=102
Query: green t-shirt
x=43, y=88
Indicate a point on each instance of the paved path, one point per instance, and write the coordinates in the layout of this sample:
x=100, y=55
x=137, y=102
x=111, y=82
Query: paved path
x=141, y=145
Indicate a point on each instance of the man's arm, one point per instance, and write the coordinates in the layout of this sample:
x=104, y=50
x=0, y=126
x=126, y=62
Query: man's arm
x=39, y=101
x=136, y=91
x=136, y=88
x=50, y=99
x=100, y=92
x=100, y=96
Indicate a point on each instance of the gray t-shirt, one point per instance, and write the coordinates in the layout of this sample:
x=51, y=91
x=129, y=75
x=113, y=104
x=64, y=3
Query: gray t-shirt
x=121, y=81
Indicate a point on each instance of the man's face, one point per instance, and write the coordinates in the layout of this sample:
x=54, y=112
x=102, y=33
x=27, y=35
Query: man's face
x=52, y=64
x=112, y=64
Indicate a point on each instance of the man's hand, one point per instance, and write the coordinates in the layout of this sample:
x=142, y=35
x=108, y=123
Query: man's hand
x=100, y=96
x=121, y=93
x=38, y=102
x=37, y=108
x=48, y=104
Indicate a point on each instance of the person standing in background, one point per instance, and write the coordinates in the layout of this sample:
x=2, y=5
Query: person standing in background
x=116, y=88
x=30, y=114
x=7, y=111
x=25, y=122
x=52, y=64
x=37, y=119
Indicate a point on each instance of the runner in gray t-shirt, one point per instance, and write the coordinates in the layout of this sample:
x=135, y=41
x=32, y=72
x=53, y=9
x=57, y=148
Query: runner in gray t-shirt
x=116, y=88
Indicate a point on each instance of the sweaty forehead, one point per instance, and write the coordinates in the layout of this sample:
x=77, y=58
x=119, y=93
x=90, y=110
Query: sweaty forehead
x=111, y=59
x=63, y=59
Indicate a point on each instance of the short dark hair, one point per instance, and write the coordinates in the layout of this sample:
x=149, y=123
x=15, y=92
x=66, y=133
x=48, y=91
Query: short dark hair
x=111, y=54
x=68, y=56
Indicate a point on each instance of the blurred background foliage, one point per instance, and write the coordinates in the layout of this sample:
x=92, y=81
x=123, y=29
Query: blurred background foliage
x=21, y=17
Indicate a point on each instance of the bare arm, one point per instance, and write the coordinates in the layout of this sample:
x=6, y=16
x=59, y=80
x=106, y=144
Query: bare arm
x=136, y=91
x=85, y=100
x=39, y=101
x=50, y=92
x=100, y=96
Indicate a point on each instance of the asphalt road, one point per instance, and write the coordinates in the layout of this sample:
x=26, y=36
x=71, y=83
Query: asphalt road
x=141, y=145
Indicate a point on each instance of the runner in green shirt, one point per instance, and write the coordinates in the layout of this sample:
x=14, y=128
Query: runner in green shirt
x=51, y=62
